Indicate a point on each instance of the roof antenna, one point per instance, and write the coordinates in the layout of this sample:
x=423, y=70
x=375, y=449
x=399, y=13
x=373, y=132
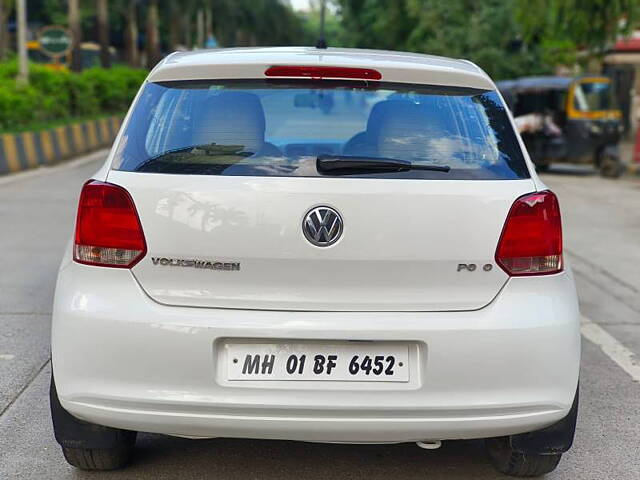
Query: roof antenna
x=322, y=43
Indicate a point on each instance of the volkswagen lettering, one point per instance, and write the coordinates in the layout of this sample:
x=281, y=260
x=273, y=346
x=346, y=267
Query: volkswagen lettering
x=340, y=246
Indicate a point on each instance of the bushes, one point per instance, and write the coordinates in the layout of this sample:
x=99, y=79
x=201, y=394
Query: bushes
x=114, y=88
x=18, y=106
x=54, y=96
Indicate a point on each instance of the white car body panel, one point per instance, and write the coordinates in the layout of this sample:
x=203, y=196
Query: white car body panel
x=402, y=243
x=508, y=368
x=143, y=349
x=237, y=63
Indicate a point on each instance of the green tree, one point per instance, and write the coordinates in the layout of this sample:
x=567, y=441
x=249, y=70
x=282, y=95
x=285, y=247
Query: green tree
x=255, y=22
x=152, y=33
x=334, y=31
x=131, y=33
x=485, y=32
x=592, y=24
x=5, y=10
x=505, y=37
x=76, y=33
x=168, y=24
x=102, y=8
x=565, y=27
x=377, y=23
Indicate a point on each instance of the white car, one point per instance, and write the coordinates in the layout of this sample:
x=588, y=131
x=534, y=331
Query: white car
x=319, y=245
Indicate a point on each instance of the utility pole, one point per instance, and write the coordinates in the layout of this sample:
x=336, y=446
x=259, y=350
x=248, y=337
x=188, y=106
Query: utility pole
x=103, y=32
x=23, y=66
x=76, y=35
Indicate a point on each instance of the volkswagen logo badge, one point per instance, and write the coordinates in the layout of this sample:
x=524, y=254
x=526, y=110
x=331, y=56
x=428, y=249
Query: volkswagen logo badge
x=322, y=226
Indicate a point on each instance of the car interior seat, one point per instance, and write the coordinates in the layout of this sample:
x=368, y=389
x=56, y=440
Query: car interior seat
x=233, y=118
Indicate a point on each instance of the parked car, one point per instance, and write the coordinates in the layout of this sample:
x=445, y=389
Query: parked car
x=565, y=119
x=249, y=264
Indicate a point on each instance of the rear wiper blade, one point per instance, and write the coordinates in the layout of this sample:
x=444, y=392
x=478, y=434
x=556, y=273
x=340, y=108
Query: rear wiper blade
x=210, y=149
x=351, y=165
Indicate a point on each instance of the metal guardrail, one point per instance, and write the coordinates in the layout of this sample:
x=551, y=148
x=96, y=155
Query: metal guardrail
x=22, y=151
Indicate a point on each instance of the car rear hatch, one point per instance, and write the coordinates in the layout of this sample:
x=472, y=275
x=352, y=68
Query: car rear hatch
x=223, y=173
x=406, y=245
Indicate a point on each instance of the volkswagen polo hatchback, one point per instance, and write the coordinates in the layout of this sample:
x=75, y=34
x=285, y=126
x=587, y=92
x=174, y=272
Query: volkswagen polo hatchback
x=319, y=245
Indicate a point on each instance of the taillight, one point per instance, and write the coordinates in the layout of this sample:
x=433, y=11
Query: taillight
x=108, y=230
x=531, y=240
x=318, y=73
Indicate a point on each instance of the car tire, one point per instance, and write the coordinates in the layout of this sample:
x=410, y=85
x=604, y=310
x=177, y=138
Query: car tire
x=517, y=464
x=99, y=459
x=86, y=445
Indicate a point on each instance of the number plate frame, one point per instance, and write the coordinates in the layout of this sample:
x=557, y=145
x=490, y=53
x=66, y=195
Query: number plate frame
x=339, y=355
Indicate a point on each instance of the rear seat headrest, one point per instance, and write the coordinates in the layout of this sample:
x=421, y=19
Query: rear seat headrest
x=379, y=111
x=401, y=129
x=230, y=118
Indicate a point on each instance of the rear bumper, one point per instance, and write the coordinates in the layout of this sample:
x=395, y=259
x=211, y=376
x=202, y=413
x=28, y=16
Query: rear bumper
x=123, y=360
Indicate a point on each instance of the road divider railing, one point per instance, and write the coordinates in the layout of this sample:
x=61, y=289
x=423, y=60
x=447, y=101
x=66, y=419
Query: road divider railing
x=25, y=150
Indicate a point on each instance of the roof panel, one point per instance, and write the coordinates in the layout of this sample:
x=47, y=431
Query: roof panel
x=252, y=62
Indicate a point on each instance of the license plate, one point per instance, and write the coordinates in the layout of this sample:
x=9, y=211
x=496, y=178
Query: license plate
x=352, y=362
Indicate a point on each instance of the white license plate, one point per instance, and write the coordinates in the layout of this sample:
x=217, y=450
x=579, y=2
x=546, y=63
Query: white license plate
x=351, y=362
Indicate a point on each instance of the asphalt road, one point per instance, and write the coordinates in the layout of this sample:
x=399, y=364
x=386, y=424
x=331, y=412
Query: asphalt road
x=602, y=237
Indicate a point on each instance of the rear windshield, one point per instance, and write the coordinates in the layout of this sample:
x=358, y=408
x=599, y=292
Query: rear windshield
x=276, y=128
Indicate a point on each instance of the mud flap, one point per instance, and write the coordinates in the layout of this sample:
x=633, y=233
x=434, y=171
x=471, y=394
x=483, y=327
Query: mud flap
x=556, y=438
x=72, y=432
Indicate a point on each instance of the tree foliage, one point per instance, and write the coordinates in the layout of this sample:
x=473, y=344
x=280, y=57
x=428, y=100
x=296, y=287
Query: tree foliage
x=485, y=32
x=255, y=22
x=563, y=28
x=505, y=37
x=236, y=22
x=53, y=96
x=591, y=24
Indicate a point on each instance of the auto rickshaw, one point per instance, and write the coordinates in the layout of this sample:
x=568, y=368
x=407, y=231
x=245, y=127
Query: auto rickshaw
x=567, y=120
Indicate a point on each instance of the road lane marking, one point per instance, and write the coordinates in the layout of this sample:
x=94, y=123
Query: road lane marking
x=611, y=347
x=7, y=356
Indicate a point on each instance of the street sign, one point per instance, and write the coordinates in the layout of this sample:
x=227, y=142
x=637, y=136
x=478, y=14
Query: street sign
x=55, y=40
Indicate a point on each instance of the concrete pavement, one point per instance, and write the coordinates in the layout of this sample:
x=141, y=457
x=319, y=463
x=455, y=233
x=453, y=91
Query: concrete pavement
x=602, y=237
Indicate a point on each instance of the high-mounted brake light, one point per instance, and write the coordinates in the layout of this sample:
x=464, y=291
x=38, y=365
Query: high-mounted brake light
x=108, y=230
x=318, y=73
x=531, y=240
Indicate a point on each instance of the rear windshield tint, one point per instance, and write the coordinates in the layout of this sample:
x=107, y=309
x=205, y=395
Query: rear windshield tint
x=276, y=128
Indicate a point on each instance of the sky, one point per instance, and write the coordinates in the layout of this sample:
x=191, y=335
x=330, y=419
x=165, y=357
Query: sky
x=300, y=4
x=304, y=5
